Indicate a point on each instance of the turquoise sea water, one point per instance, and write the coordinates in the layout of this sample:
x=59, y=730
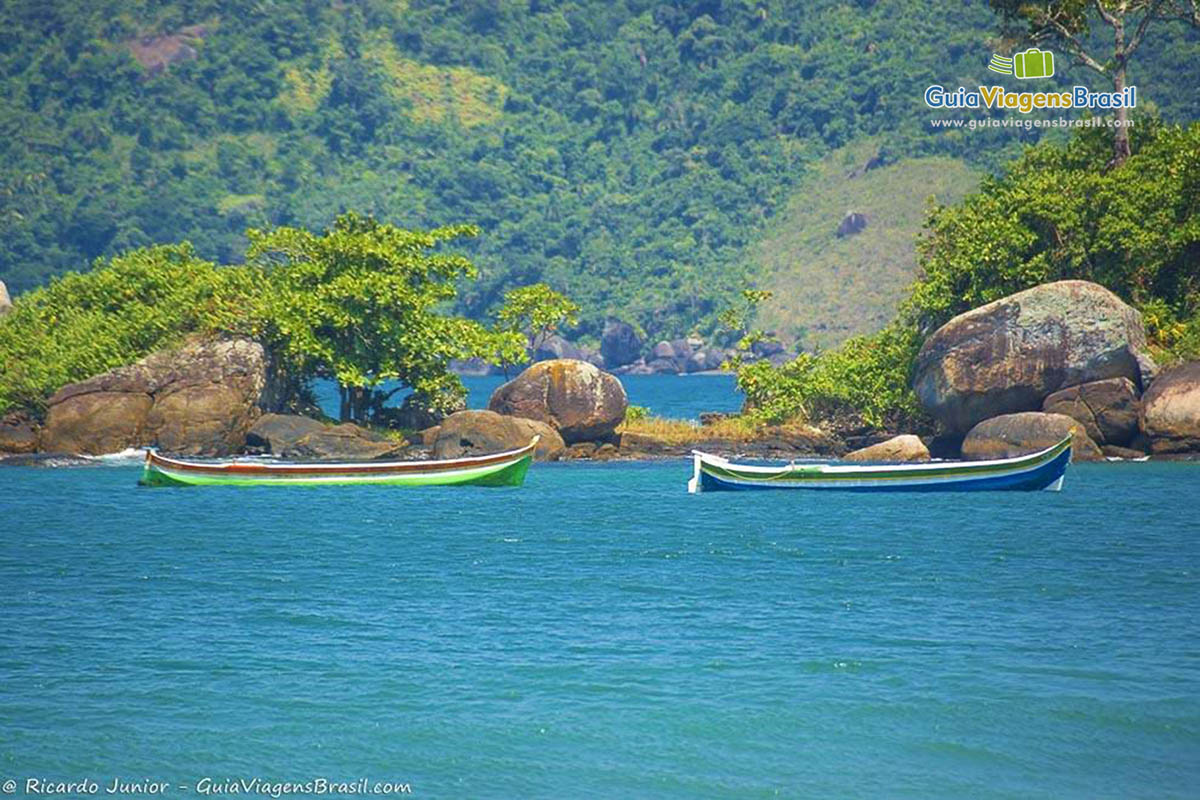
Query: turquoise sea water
x=671, y=396
x=599, y=633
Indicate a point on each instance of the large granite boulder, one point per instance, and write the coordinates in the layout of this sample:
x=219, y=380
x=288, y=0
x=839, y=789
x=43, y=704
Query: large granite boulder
x=5, y=301
x=472, y=433
x=18, y=433
x=581, y=401
x=198, y=399
x=899, y=448
x=765, y=348
x=1009, y=355
x=658, y=366
x=345, y=442
x=1108, y=409
x=662, y=350
x=1171, y=410
x=555, y=346
x=275, y=433
x=706, y=360
x=1027, y=432
x=620, y=343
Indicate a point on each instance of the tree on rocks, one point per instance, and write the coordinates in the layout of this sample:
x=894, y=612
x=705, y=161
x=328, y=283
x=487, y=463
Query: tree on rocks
x=360, y=303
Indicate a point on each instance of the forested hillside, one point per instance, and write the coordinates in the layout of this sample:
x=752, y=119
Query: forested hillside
x=629, y=153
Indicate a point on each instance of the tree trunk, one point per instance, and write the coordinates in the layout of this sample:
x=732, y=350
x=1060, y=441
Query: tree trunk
x=344, y=407
x=1121, y=133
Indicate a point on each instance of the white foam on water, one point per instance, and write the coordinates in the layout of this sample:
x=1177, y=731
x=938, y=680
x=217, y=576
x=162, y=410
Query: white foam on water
x=128, y=454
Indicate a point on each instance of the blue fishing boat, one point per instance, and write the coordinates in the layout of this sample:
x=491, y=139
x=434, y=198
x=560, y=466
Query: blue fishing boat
x=1042, y=470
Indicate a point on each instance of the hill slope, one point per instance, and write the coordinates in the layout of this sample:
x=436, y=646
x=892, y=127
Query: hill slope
x=828, y=288
x=627, y=152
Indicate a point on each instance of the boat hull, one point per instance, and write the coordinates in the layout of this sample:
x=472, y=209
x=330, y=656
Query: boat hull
x=502, y=469
x=1043, y=470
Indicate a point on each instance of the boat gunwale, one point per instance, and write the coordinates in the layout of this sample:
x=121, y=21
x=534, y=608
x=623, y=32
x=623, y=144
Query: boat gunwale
x=821, y=471
x=235, y=469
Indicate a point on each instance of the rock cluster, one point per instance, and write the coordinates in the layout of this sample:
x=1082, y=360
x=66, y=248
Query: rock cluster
x=1020, y=373
x=1010, y=355
x=678, y=356
x=199, y=399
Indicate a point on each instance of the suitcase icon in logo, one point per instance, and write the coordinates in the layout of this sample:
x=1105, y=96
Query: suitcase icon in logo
x=1033, y=63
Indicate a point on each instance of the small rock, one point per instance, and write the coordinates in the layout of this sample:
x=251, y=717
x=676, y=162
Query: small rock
x=620, y=343
x=345, y=442
x=662, y=350
x=1171, y=410
x=765, y=348
x=643, y=444
x=275, y=433
x=5, y=300
x=555, y=346
x=605, y=452
x=659, y=366
x=1108, y=409
x=18, y=433
x=852, y=223
x=902, y=448
x=472, y=433
x=580, y=450
x=639, y=367
x=417, y=412
x=1011, y=435
x=473, y=367
x=1126, y=453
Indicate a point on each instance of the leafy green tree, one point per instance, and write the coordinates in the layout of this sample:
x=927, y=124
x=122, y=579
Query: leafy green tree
x=864, y=383
x=1068, y=24
x=533, y=313
x=362, y=303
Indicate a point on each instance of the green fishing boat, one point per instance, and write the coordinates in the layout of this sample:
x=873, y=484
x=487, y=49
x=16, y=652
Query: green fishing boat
x=499, y=469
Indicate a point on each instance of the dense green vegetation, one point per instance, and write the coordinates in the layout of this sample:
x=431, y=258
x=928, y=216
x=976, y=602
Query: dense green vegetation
x=361, y=303
x=83, y=324
x=626, y=153
x=1056, y=213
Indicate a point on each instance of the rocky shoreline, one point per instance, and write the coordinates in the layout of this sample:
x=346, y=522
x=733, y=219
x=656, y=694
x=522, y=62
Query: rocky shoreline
x=1010, y=377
